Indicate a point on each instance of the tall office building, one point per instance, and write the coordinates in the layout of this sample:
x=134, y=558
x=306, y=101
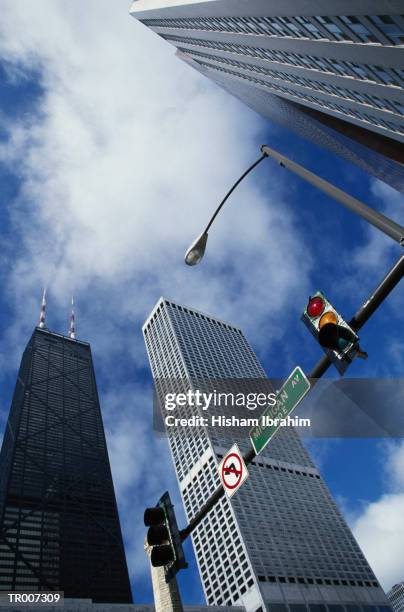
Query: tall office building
x=59, y=523
x=280, y=544
x=396, y=597
x=331, y=71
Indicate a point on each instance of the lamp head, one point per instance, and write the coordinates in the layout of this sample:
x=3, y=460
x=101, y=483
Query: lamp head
x=196, y=251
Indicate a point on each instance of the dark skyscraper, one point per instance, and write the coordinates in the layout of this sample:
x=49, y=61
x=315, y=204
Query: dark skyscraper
x=59, y=523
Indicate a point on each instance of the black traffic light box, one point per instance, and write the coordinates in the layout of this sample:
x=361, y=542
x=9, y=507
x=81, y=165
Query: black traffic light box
x=333, y=333
x=164, y=537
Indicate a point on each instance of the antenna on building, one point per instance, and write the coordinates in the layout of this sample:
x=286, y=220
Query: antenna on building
x=72, y=329
x=42, y=313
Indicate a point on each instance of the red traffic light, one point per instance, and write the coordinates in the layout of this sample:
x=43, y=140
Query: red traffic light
x=315, y=306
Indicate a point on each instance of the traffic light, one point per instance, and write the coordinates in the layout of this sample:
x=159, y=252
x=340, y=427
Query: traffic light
x=164, y=537
x=333, y=333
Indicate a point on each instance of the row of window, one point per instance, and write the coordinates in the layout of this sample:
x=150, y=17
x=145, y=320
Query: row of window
x=319, y=581
x=377, y=74
x=277, y=468
x=78, y=349
x=325, y=608
x=379, y=29
x=187, y=311
x=342, y=92
x=299, y=95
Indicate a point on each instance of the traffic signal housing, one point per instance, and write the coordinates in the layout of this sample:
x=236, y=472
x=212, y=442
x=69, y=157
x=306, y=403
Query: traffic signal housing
x=164, y=537
x=333, y=333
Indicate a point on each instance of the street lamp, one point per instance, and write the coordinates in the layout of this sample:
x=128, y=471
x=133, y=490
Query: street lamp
x=196, y=251
x=395, y=231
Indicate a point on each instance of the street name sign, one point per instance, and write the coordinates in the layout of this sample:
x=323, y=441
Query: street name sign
x=232, y=471
x=291, y=393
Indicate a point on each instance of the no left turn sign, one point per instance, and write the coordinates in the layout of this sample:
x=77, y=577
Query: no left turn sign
x=232, y=471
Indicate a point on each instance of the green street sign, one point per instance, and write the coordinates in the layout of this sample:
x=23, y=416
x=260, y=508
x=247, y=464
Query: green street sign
x=291, y=393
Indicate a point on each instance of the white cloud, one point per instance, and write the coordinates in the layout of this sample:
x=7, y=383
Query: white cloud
x=379, y=527
x=380, y=533
x=379, y=247
x=122, y=160
x=394, y=457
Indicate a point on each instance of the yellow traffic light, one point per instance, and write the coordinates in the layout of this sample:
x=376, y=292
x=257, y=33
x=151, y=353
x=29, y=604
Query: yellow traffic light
x=328, y=317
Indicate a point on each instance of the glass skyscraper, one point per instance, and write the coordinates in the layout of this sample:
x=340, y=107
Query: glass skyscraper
x=59, y=523
x=331, y=71
x=280, y=544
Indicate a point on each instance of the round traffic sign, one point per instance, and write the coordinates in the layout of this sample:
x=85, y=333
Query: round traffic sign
x=232, y=471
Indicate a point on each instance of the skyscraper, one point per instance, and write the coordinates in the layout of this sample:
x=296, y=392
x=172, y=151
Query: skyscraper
x=280, y=544
x=332, y=72
x=59, y=523
x=396, y=596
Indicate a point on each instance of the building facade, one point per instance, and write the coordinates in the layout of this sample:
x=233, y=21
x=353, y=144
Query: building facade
x=86, y=605
x=280, y=544
x=396, y=597
x=333, y=73
x=59, y=523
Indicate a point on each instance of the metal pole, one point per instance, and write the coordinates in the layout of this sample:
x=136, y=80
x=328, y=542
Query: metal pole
x=232, y=189
x=387, y=285
x=383, y=223
x=364, y=313
x=167, y=596
x=320, y=368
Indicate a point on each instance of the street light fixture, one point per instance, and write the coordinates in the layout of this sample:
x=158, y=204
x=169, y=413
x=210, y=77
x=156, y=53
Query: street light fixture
x=395, y=231
x=197, y=250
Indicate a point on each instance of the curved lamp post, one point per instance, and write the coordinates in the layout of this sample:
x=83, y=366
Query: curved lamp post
x=395, y=231
x=196, y=251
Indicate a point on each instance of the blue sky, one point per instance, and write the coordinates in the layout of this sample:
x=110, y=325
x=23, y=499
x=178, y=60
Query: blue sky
x=113, y=154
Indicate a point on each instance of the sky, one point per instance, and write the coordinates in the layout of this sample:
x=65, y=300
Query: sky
x=113, y=155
